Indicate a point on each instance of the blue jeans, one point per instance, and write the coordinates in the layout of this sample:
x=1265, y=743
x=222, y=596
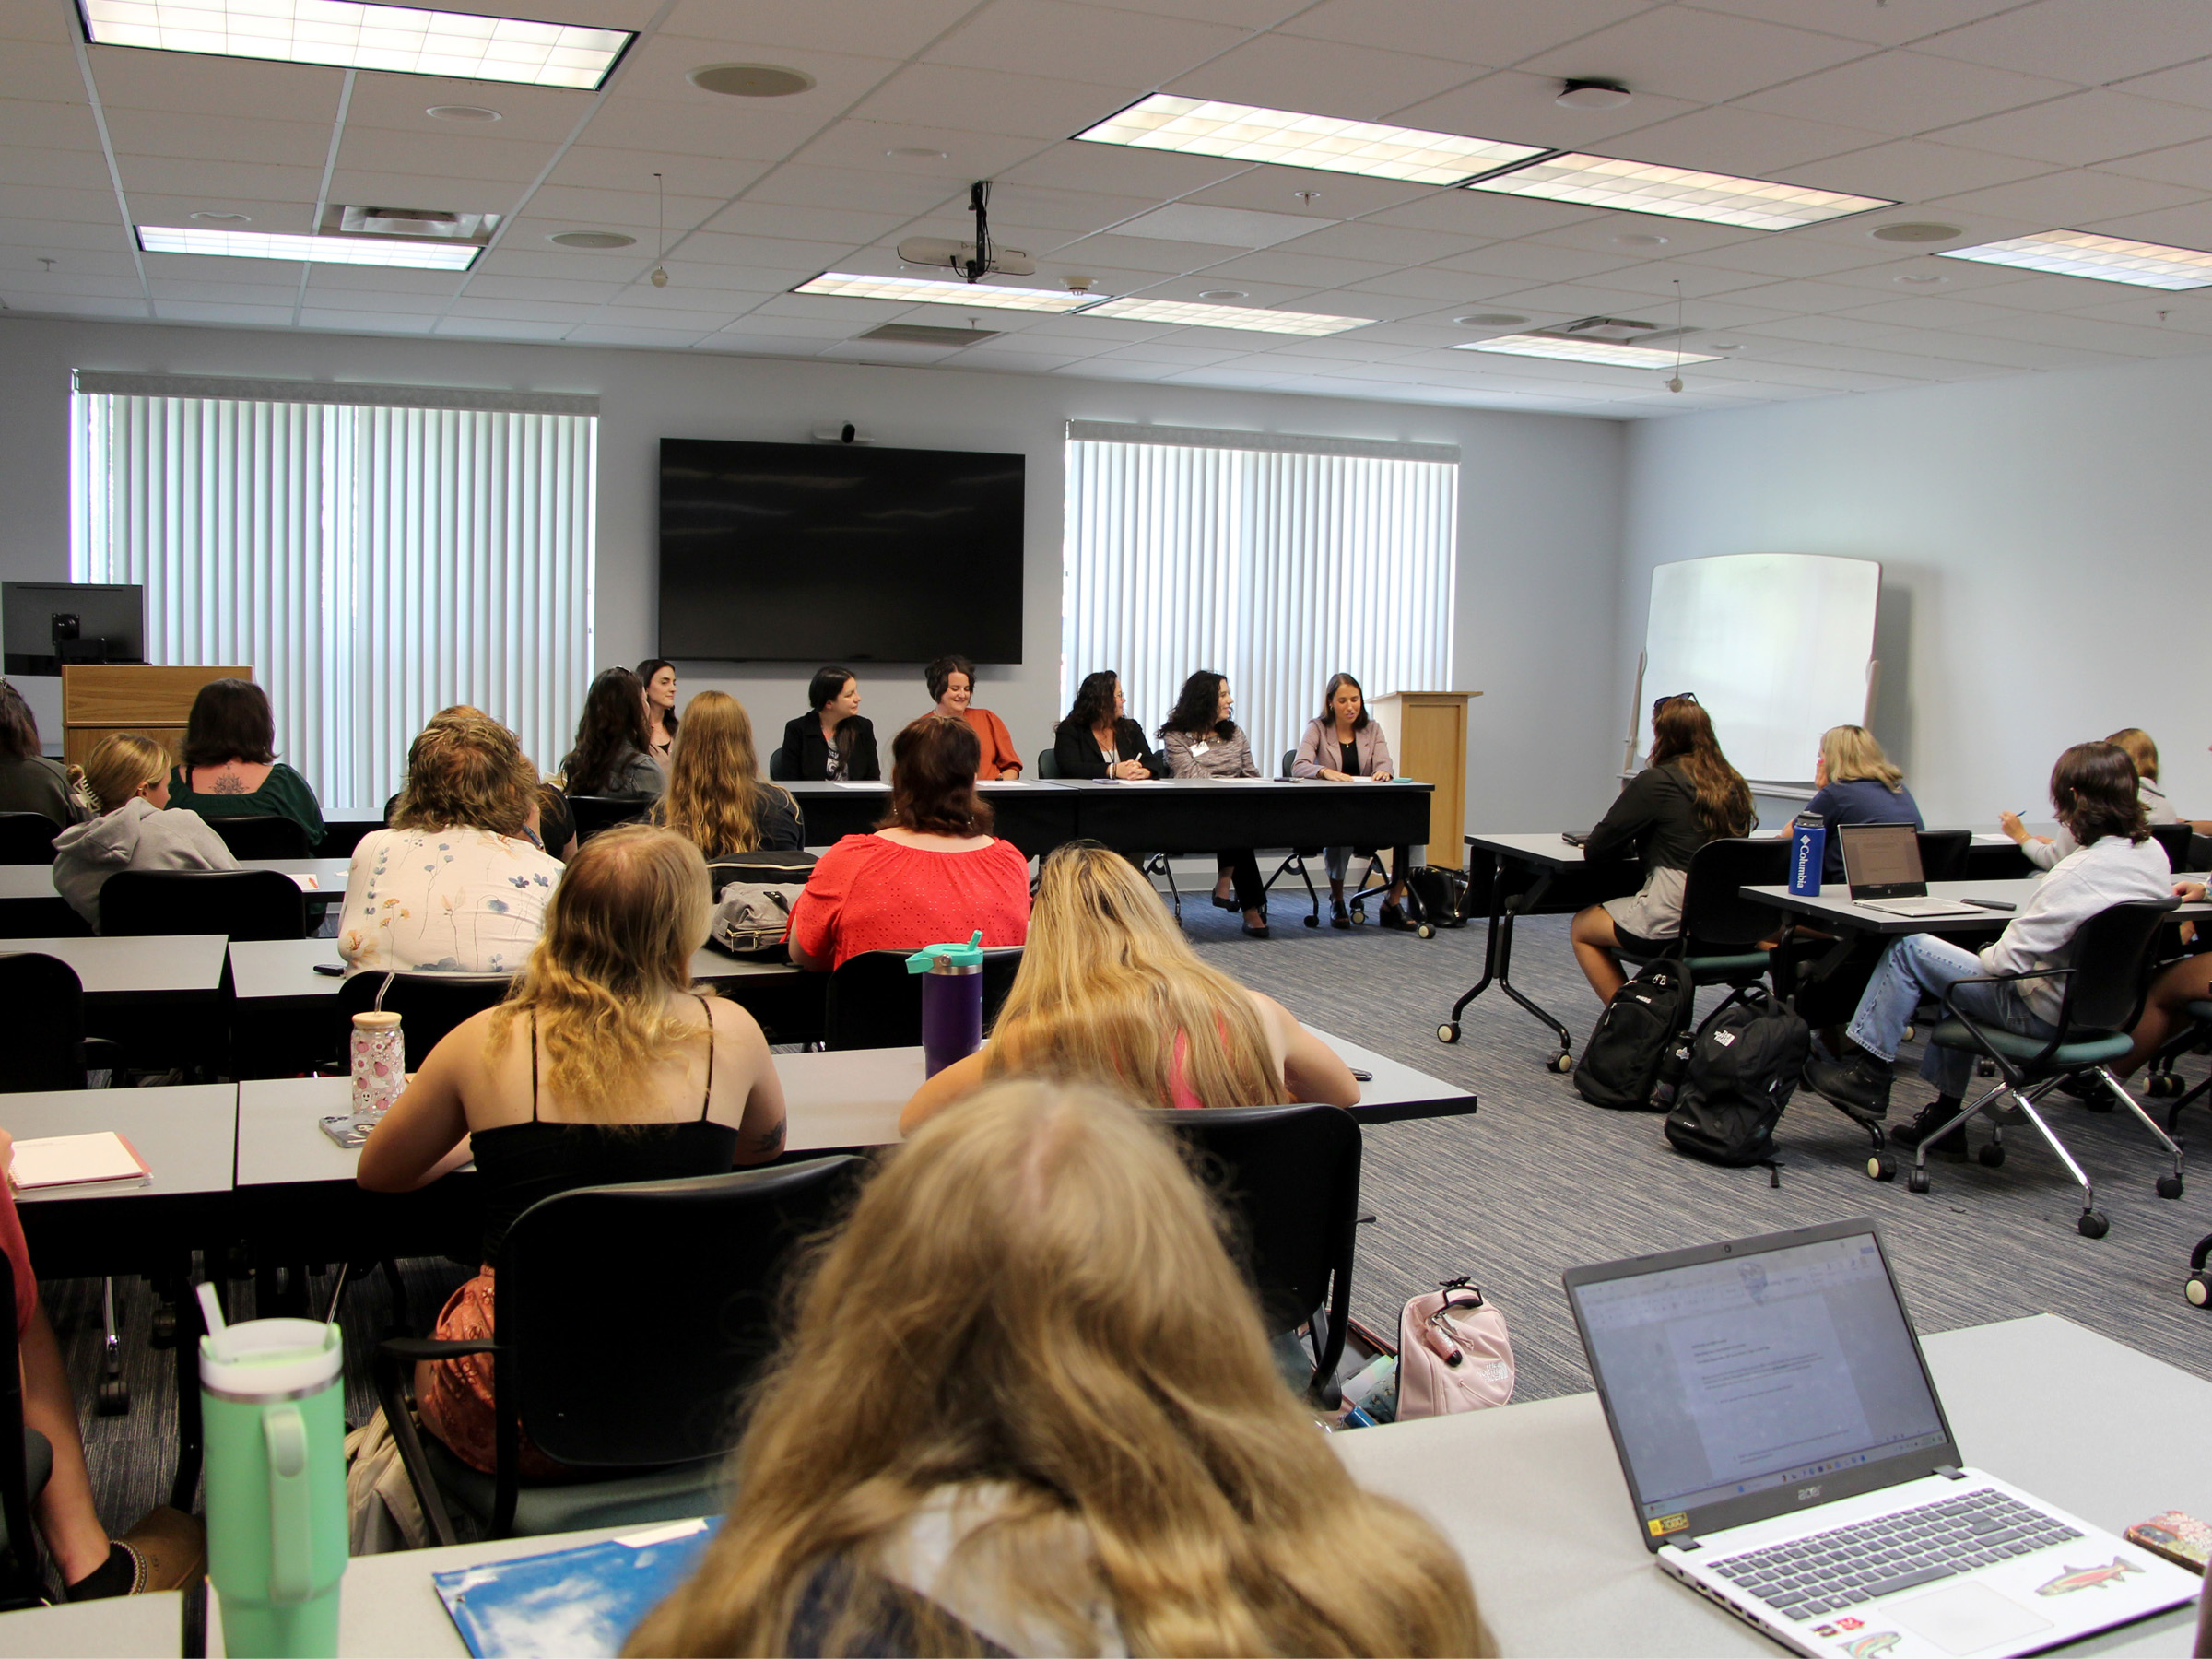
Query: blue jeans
x=1921, y=964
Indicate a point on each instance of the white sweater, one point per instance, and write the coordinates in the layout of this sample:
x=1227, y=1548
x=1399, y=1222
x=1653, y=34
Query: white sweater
x=2110, y=870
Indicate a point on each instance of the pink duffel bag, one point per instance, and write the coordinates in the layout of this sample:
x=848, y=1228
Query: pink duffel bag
x=1453, y=1354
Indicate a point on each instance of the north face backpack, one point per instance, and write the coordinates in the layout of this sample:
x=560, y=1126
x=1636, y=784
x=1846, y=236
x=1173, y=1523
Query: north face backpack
x=1743, y=1068
x=1620, y=1065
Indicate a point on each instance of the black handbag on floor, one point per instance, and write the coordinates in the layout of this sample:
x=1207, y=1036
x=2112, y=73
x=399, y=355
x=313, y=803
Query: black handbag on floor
x=1743, y=1068
x=1620, y=1065
x=1443, y=894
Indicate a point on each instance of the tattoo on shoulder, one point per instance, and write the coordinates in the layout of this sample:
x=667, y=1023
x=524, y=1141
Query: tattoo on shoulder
x=768, y=1142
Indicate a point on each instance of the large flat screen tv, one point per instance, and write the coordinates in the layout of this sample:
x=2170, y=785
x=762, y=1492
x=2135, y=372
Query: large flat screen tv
x=839, y=553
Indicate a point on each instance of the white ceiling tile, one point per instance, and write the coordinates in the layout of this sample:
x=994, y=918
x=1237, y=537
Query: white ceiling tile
x=2084, y=129
x=781, y=253
x=1906, y=93
x=657, y=69
x=1228, y=227
x=1911, y=171
x=891, y=28
x=692, y=321
x=44, y=202
x=520, y=311
x=635, y=211
x=1399, y=244
x=1145, y=254
x=1742, y=141
x=1704, y=56
x=2185, y=227
x=1439, y=283
x=856, y=189
x=2182, y=313
x=2187, y=165
x=863, y=147
x=2091, y=42
x=1790, y=256
x=2188, y=83
x=22, y=286
x=505, y=328
x=36, y=124
x=1925, y=312
x=340, y=320
x=492, y=286
x=350, y=187
x=1493, y=217
x=629, y=172
x=622, y=333
x=184, y=176
x=389, y=151
x=1013, y=105
x=740, y=344
x=1356, y=83
x=805, y=224
x=1115, y=170
x=210, y=311
x=2058, y=199
x=1322, y=196
x=34, y=71
x=239, y=138
x=1476, y=31
x=1086, y=42
x=676, y=127
x=211, y=86
x=68, y=305
x=57, y=168
x=421, y=288
x=1658, y=278
x=1628, y=234
x=1276, y=265
x=2004, y=354
x=27, y=259
x=528, y=115
x=2058, y=328
x=1535, y=261
x=1051, y=216
x=1521, y=107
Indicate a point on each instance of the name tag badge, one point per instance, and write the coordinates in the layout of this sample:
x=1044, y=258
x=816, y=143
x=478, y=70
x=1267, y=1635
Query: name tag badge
x=1198, y=749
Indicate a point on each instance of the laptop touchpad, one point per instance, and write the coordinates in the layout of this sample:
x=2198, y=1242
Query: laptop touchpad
x=1966, y=1618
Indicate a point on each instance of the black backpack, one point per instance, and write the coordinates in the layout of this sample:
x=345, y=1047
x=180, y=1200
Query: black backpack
x=1443, y=894
x=1620, y=1065
x=1743, y=1068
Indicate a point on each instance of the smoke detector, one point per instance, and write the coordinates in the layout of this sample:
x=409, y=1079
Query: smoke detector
x=1592, y=95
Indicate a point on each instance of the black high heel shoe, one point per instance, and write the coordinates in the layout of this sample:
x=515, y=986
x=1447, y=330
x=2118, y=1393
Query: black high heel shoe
x=1339, y=916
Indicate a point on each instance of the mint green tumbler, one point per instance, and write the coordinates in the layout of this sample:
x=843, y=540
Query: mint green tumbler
x=273, y=1400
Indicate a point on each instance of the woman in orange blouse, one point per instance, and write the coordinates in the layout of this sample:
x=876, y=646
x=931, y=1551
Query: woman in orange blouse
x=952, y=683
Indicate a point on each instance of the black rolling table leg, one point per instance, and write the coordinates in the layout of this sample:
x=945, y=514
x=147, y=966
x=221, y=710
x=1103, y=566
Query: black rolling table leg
x=1498, y=960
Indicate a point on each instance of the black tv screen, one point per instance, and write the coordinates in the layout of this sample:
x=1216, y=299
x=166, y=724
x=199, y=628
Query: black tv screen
x=837, y=553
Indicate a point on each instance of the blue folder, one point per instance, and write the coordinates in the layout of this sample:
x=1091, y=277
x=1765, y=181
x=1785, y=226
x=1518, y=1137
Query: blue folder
x=571, y=1604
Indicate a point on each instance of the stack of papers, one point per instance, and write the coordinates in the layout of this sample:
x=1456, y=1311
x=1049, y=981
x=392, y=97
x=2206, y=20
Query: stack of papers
x=77, y=1160
x=576, y=1602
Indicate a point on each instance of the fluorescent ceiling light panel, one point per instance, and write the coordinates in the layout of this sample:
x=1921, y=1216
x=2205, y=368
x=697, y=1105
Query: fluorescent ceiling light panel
x=400, y=39
x=1585, y=351
x=1676, y=193
x=927, y=291
x=1226, y=316
x=1197, y=126
x=316, y=250
x=2104, y=258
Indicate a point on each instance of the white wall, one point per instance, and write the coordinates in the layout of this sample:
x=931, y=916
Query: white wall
x=1540, y=526
x=2042, y=540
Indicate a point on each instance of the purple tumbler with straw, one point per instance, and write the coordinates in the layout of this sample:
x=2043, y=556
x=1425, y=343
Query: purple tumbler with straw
x=952, y=1001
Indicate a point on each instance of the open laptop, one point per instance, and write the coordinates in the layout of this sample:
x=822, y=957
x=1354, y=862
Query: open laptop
x=1881, y=862
x=1788, y=1459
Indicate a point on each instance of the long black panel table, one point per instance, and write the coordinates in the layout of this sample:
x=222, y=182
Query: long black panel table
x=1036, y=817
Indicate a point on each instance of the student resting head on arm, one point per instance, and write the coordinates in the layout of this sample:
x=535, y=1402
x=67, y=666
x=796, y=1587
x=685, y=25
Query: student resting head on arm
x=717, y=799
x=613, y=754
x=1028, y=1407
x=127, y=784
x=1855, y=783
x=951, y=681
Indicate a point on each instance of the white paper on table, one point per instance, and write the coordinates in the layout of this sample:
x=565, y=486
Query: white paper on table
x=74, y=1159
x=309, y=883
x=856, y=783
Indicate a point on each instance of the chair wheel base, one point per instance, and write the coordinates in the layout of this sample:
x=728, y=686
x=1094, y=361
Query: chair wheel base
x=2163, y=1086
x=2199, y=1289
x=1358, y=915
x=1561, y=1062
x=114, y=1397
x=1313, y=921
x=1881, y=1167
x=2092, y=1224
x=1424, y=932
x=2170, y=1186
x=1992, y=1155
x=1448, y=1031
x=1917, y=1181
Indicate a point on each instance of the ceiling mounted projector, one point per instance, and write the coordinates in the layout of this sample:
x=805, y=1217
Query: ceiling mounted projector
x=972, y=261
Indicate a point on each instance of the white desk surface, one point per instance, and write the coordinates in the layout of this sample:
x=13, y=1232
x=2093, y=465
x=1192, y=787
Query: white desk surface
x=146, y=1627
x=36, y=881
x=186, y=1136
x=1834, y=904
x=270, y=969
x=1527, y=846
x=1532, y=1497
x=173, y=964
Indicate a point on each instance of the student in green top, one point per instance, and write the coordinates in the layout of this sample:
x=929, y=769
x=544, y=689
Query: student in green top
x=231, y=767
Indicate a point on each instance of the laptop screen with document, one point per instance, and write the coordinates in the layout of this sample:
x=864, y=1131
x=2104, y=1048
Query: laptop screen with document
x=1882, y=861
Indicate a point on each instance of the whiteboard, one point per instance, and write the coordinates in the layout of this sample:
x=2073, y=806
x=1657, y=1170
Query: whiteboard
x=1778, y=647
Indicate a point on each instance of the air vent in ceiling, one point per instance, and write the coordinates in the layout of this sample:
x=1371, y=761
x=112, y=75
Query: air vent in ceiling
x=925, y=333
x=1603, y=328
x=409, y=224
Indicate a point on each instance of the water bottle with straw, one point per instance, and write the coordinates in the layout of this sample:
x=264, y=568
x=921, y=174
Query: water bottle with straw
x=952, y=1001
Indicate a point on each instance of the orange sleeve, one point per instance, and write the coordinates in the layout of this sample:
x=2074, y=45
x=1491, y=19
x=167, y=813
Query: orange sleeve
x=997, y=744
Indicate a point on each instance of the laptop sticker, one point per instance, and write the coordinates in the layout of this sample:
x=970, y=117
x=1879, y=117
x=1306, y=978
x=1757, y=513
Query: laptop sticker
x=1868, y=1647
x=2087, y=1578
x=1668, y=1523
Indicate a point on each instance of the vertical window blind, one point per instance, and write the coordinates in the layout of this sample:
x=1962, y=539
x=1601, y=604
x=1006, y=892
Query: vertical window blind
x=1275, y=560
x=376, y=554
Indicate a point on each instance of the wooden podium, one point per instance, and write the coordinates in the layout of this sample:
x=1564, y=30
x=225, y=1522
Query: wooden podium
x=99, y=698
x=1427, y=732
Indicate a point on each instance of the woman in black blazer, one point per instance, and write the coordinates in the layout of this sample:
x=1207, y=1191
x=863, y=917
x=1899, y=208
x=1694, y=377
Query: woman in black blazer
x=1096, y=740
x=833, y=741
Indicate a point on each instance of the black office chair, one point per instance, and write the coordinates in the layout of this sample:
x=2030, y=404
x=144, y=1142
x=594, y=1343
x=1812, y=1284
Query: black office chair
x=245, y=904
x=1722, y=929
x=630, y=1318
x=429, y=1005
x=2174, y=840
x=763, y=869
x=1294, y=862
x=778, y=771
x=875, y=1003
x=594, y=813
x=263, y=835
x=1289, y=1179
x=26, y=838
x=2104, y=994
x=1048, y=765
x=26, y=1465
x=1943, y=854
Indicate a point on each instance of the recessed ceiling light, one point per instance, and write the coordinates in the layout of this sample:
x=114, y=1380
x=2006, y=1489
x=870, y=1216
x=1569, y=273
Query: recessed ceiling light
x=1492, y=320
x=1915, y=232
x=1640, y=238
x=1674, y=192
x=1246, y=132
x=399, y=39
x=591, y=239
x=2102, y=258
x=750, y=80
x=917, y=153
x=223, y=219
x=1223, y=294
x=1226, y=316
x=1922, y=279
x=845, y=285
x=462, y=112
x=1592, y=95
x=315, y=250
x=1583, y=351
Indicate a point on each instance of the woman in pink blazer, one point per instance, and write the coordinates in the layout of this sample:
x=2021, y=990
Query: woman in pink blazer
x=1344, y=742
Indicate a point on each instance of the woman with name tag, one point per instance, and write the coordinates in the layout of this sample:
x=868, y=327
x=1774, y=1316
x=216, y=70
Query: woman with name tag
x=1200, y=740
x=951, y=681
x=2114, y=862
x=1097, y=739
x=1343, y=744
x=833, y=744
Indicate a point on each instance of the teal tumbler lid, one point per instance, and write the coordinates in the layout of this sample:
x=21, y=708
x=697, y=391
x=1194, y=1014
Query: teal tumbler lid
x=950, y=959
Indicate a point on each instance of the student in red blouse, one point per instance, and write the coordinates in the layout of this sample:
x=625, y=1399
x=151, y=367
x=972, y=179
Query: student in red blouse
x=951, y=681
x=932, y=870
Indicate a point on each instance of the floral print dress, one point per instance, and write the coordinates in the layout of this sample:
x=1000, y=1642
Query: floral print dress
x=453, y=900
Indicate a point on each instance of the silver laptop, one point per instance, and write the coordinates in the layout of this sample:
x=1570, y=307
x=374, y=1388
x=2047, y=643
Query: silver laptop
x=1881, y=863
x=1788, y=1459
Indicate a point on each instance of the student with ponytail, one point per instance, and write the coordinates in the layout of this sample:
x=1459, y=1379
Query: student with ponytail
x=126, y=783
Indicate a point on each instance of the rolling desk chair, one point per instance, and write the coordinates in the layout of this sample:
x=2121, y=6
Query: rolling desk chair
x=245, y=904
x=875, y=1003
x=778, y=771
x=1721, y=929
x=1048, y=765
x=263, y=835
x=1294, y=862
x=594, y=813
x=26, y=838
x=2175, y=839
x=1943, y=854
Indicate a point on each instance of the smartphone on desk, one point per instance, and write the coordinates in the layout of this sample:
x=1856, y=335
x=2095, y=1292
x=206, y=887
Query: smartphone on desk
x=1991, y=905
x=1575, y=837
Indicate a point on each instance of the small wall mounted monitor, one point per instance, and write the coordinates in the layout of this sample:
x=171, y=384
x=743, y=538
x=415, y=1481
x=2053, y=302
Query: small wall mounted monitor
x=839, y=553
x=46, y=623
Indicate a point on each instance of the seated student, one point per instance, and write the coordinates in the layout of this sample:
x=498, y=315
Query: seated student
x=231, y=767
x=613, y=754
x=1110, y=992
x=1200, y=740
x=457, y=884
x=28, y=780
x=832, y=742
x=1027, y=1406
x=716, y=798
x=951, y=681
x=2114, y=862
x=1098, y=740
x=126, y=783
x=2044, y=851
x=1340, y=745
x=657, y=675
x=622, y=1073
x=1855, y=783
x=930, y=873
x=1687, y=794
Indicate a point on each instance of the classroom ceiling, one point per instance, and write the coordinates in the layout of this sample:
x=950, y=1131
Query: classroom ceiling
x=1997, y=117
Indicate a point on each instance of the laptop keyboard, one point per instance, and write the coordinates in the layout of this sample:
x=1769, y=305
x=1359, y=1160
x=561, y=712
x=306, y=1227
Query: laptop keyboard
x=1918, y=907
x=1837, y=1570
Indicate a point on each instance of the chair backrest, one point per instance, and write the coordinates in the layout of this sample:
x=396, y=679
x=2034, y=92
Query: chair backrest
x=594, y=813
x=631, y=1317
x=1289, y=1178
x=2112, y=962
x=1716, y=917
x=45, y=1004
x=875, y=1003
x=778, y=773
x=246, y=904
x=1048, y=763
x=759, y=868
x=1289, y=760
x=429, y=1005
x=26, y=838
x=263, y=835
x=2174, y=837
x=1943, y=854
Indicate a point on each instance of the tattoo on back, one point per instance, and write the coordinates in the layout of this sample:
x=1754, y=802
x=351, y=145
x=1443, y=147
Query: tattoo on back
x=226, y=785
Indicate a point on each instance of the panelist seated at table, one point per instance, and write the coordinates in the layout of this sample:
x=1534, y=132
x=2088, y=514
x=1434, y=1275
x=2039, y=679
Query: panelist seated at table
x=603, y=1066
x=28, y=780
x=612, y=756
x=657, y=675
x=2044, y=851
x=230, y=767
x=717, y=799
x=1028, y=1405
x=931, y=872
x=458, y=884
x=1344, y=744
x=951, y=681
x=834, y=743
x=1201, y=740
x=1110, y=992
x=1854, y=783
x=126, y=783
x=1098, y=740
x=1686, y=796
x=2114, y=862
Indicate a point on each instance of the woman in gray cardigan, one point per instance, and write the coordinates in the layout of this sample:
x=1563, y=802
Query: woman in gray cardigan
x=127, y=778
x=1344, y=744
x=1200, y=740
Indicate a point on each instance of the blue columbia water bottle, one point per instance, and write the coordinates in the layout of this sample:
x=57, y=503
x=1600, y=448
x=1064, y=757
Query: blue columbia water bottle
x=1808, y=848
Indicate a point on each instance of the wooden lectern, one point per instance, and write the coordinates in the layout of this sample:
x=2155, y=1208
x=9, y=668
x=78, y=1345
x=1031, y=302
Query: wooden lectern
x=99, y=698
x=1427, y=732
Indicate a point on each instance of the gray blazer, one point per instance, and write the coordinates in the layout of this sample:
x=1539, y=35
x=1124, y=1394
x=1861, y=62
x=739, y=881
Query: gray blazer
x=1318, y=748
x=1228, y=757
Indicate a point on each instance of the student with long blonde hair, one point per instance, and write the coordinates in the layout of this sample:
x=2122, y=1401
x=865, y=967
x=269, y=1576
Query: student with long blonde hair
x=1027, y=1400
x=1109, y=992
x=1855, y=782
x=621, y=1072
x=716, y=798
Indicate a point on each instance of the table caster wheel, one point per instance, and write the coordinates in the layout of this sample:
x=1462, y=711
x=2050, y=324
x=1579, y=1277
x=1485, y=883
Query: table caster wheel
x=2092, y=1224
x=1313, y=921
x=1986, y=1068
x=2163, y=1086
x=2170, y=1186
x=1424, y=932
x=114, y=1396
x=1561, y=1062
x=2199, y=1289
x=1358, y=915
x=1992, y=1155
x=1881, y=1167
x=1911, y=1031
x=1917, y=1180
x=1448, y=1031
x=164, y=1325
